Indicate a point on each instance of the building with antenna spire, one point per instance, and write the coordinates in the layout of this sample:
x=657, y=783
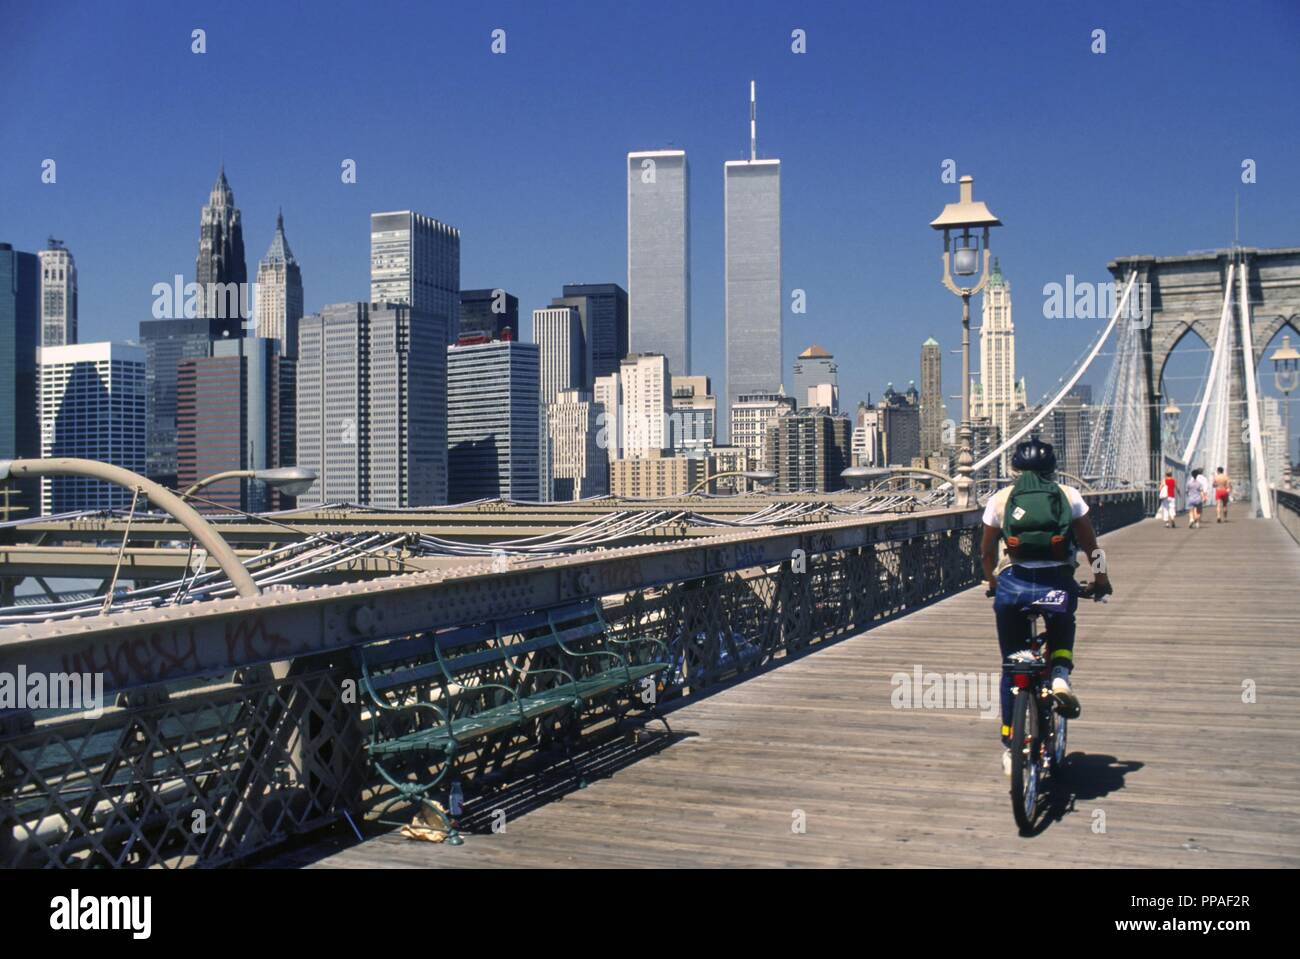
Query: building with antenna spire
x=220, y=262
x=279, y=304
x=1000, y=395
x=58, y=295
x=752, y=196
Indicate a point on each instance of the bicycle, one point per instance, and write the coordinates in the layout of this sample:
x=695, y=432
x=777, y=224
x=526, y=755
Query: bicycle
x=1039, y=728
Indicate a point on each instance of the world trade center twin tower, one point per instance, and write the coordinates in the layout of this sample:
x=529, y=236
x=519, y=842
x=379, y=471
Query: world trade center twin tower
x=659, y=271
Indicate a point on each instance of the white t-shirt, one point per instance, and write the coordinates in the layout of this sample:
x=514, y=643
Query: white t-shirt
x=996, y=509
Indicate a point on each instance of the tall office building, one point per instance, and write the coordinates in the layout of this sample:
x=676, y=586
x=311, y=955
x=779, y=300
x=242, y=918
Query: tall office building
x=808, y=450
x=493, y=394
x=230, y=415
x=932, y=408
x=608, y=397
x=603, y=311
x=166, y=344
x=646, y=383
x=92, y=403
x=1000, y=394
x=1069, y=429
x=693, y=424
x=220, y=270
x=579, y=467
x=750, y=415
x=415, y=260
x=279, y=293
x=900, y=425
x=20, y=335
x=372, y=405
x=1272, y=430
x=817, y=379
x=563, y=356
x=487, y=315
x=58, y=295
x=558, y=334
x=658, y=255
x=752, y=199
x=868, y=442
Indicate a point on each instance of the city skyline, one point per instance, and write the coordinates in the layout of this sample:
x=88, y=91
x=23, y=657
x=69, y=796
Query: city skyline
x=864, y=260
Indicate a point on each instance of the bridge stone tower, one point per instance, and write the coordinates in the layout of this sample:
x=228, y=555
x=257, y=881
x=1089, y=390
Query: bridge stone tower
x=1185, y=295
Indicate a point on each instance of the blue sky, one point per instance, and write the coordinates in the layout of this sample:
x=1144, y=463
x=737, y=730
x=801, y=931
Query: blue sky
x=1083, y=156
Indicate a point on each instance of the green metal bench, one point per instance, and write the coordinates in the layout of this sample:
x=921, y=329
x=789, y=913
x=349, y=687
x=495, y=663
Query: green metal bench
x=484, y=680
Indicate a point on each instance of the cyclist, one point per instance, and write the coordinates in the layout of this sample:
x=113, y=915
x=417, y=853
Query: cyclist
x=1043, y=524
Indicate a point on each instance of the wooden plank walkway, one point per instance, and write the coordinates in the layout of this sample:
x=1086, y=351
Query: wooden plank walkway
x=1184, y=773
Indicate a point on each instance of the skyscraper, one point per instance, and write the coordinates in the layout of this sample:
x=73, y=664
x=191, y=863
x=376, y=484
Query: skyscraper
x=646, y=382
x=750, y=415
x=1069, y=428
x=579, y=466
x=900, y=425
x=694, y=415
x=608, y=397
x=493, y=407
x=279, y=293
x=372, y=405
x=808, y=450
x=603, y=310
x=817, y=379
x=558, y=334
x=220, y=270
x=999, y=395
x=752, y=197
x=20, y=334
x=166, y=343
x=932, y=408
x=58, y=295
x=414, y=259
x=868, y=440
x=488, y=315
x=92, y=406
x=564, y=355
x=230, y=416
x=658, y=255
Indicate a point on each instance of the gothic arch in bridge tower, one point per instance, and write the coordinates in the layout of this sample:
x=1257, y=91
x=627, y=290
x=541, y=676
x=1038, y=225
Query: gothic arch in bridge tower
x=1186, y=294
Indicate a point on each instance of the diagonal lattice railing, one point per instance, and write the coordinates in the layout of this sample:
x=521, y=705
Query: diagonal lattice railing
x=207, y=769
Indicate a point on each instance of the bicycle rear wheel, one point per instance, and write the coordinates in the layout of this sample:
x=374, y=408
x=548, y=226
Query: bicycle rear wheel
x=1026, y=759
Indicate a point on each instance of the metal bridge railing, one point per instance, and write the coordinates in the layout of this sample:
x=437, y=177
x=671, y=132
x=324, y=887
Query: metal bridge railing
x=1288, y=510
x=237, y=723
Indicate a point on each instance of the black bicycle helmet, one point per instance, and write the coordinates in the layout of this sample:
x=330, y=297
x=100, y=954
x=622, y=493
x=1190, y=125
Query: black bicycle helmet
x=1034, y=456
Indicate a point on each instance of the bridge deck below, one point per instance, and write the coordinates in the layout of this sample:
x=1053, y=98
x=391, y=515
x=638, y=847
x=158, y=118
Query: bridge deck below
x=1183, y=771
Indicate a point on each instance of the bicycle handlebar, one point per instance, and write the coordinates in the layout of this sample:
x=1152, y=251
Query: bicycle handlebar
x=1086, y=591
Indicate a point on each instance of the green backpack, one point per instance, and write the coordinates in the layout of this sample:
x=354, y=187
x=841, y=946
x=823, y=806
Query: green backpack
x=1037, y=520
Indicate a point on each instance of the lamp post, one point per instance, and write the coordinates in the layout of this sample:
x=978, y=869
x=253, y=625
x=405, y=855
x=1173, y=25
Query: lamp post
x=757, y=476
x=1171, y=414
x=1286, y=377
x=862, y=476
x=203, y=531
x=289, y=480
x=965, y=225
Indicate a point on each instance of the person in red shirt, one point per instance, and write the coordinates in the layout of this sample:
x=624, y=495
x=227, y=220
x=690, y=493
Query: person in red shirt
x=1169, y=499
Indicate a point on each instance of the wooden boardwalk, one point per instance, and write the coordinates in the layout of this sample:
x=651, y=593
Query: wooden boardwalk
x=1167, y=757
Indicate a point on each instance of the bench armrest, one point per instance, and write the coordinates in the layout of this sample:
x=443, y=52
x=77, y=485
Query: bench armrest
x=643, y=639
x=547, y=669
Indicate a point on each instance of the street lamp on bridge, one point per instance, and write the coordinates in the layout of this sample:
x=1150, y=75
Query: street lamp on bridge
x=1286, y=377
x=289, y=480
x=755, y=476
x=1171, y=413
x=203, y=532
x=965, y=225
